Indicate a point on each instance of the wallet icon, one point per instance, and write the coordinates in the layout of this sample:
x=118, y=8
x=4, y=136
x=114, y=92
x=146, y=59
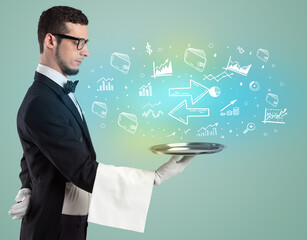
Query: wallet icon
x=120, y=61
x=272, y=99
x=100, y=109
x=263, y=54
x=195, y=58
x=128, y=121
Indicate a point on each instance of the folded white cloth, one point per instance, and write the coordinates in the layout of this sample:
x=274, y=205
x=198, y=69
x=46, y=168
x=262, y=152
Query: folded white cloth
x=76, y=200
x=121, y=197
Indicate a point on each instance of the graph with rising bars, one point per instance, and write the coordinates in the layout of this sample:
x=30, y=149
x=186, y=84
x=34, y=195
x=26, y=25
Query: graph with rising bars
x=105, y=85
x=145, y=91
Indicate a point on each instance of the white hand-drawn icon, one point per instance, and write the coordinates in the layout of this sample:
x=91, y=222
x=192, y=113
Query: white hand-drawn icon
x=272, y=99
x=254, y=86
x=234, y=66
x=234, y=112
x=208, y=131
x=211, y=45
x=250, y=127
x=241, y=50
x=186, y=131
x=106, y=84
x=172, y=134
x=195, y=58
x=149, y=110
x=145, y=91
x=182, y=113
x=120, y=61
x=274, y=116
x=163, y=70
x=231, y=103
x=218, y=77
x=196, y=91
x=148, y=49
x=100, y=109
x=263, y=54
x=128, y=121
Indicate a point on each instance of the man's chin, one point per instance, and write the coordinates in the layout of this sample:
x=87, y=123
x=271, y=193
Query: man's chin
x=70, y=71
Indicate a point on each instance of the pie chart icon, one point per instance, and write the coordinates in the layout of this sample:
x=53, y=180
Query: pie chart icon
x=214, y=91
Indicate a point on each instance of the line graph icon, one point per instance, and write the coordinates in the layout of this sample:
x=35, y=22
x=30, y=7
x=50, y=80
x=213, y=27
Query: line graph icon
x=149, y=109
x=152, y=113
x=165, y=69
x=275, y=116
x=234, y=66
x=217, y=78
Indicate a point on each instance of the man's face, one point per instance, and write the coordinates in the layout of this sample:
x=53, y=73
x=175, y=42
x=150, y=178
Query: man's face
x=67, y=55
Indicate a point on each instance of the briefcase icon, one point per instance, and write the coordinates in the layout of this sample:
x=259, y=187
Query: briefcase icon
x=100, y=109
x=128, y=121
x=263, y=54
x=272, y=99
x=195, y=58
x=121, y=62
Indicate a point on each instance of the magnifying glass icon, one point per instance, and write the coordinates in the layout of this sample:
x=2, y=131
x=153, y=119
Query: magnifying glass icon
x=250, y=127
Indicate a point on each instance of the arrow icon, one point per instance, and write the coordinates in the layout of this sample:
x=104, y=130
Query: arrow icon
x=195, y=89
x=182, y=112
x=231, y=103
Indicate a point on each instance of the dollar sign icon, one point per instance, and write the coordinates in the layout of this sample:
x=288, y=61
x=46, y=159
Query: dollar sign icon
x=148, y=49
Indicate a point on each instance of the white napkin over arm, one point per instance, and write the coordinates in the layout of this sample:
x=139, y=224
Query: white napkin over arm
x=121, y=197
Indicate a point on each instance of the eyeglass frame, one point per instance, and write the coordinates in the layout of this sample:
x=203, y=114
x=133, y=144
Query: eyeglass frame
x=72, y=38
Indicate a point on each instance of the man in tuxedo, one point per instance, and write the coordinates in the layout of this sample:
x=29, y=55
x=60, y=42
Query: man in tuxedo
x=59, y=170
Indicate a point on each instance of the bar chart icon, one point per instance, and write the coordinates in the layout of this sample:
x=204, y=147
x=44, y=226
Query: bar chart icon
x=145, y=91
x=208, y=131
x=106, y=84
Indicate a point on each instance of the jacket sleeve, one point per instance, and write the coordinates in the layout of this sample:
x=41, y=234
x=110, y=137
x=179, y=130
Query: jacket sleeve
x=48, y=125
x=24, y=175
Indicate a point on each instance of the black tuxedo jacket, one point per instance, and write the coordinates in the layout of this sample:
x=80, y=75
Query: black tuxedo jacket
x=57, y=148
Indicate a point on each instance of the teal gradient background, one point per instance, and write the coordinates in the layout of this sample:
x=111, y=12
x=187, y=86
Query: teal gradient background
x=256, y=187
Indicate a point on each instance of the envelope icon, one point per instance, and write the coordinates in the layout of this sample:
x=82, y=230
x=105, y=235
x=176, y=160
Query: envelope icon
x=128, y=121
x=100, y=109
x=272, y=99
x=120, y=61
x=263, y=54
x=195, y=58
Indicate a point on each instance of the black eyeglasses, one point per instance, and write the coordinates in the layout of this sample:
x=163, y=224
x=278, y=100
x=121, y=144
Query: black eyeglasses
x=81, y=41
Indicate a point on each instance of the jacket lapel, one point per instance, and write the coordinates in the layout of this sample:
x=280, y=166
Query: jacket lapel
x=67, y=101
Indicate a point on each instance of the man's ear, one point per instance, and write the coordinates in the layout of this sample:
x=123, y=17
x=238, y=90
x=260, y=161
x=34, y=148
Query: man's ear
x=50, y=41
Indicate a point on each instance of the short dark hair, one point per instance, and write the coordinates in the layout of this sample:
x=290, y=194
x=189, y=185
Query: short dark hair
x=53, y=21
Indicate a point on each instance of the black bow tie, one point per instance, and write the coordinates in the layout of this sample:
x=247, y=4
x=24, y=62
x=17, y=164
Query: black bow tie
x=70, y=86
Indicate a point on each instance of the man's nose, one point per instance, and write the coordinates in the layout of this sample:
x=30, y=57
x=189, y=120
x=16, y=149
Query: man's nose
x=84, y=51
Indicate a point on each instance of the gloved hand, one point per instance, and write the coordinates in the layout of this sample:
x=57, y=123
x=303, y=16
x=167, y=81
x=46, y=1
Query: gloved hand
x=22, y=207
x=171, y=168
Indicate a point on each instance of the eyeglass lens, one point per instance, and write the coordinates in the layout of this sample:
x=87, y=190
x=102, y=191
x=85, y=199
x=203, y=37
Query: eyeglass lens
x=81, y=44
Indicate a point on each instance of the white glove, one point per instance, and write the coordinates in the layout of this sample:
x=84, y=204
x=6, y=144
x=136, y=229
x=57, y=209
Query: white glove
x=171, y=168
x=20, y=209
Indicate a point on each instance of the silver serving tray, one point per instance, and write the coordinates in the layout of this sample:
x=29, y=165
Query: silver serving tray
x=190, y=148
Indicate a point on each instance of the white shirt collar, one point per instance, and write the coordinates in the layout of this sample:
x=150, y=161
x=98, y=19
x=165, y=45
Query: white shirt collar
x=54, y=75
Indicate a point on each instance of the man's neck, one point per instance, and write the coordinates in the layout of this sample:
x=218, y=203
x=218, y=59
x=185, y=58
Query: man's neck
x=51, y=64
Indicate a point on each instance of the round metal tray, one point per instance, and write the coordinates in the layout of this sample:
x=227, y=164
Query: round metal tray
x=189, y=148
